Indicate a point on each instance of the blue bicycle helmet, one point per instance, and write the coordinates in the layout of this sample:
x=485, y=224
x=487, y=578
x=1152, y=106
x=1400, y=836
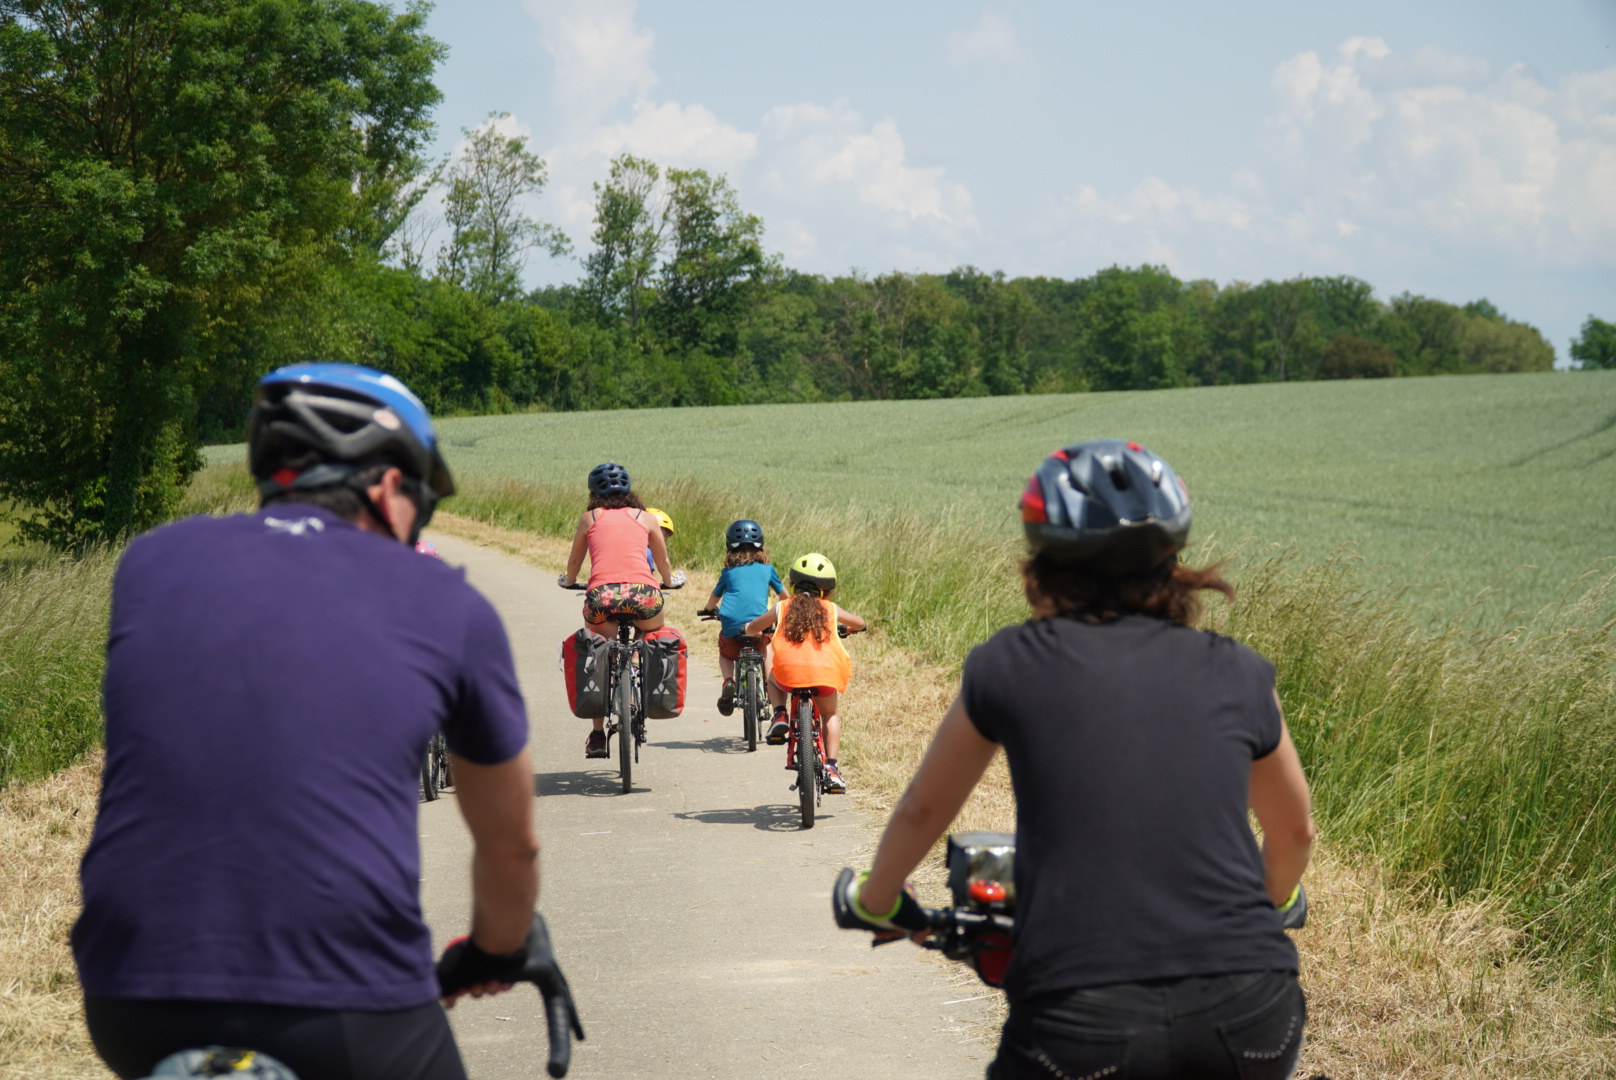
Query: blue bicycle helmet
x=1109, y=505
x=609, y=479
x=350, y=418
x=743, y=533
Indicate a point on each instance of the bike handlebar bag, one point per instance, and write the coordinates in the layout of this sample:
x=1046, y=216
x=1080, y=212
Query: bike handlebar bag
x=667, y=667
x=982, y=878
x=583, y=662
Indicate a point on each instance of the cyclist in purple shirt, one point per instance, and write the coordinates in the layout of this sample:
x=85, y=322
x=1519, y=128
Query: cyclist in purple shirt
x=272, y=683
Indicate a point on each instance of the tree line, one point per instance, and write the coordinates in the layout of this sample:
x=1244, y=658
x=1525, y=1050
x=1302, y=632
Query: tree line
x=195, y=191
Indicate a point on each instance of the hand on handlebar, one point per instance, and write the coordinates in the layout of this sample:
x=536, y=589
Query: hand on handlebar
x=466, y=969
x=562, y=581
x=906, y=919
x=707, y=614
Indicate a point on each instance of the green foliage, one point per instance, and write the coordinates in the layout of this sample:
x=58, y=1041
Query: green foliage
x=628, y=239
x=1349, y=356
x=164, y=169
x=489, y=235
x=1595, y=347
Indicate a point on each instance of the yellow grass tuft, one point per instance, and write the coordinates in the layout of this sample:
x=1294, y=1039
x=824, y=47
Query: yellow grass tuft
x=44, y=827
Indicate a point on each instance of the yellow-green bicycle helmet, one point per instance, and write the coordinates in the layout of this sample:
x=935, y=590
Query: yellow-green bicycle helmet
x=814, y=569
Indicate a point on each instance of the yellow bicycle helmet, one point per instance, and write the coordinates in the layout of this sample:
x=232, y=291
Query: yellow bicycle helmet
x=666, y=521
x=814, y=569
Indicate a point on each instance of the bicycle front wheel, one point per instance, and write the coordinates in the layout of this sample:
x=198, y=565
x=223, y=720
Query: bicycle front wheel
x=623, y=706
x=429, y=775
x=807, y=763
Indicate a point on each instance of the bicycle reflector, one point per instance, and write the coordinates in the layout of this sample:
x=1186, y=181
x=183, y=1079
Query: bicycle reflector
x=981, y=877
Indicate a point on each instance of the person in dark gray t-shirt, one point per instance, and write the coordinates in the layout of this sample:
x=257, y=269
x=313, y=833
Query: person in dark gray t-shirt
x=1150, y=927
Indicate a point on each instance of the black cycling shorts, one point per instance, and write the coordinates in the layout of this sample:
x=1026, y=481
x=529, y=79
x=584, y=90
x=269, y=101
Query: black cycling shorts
x=1220, y=1027
x=318, y=1044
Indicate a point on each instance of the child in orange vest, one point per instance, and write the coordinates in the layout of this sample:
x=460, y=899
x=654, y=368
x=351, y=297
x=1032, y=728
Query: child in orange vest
x=808, y=652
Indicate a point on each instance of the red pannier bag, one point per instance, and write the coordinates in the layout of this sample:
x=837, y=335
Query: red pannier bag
x=667, y=665
x=583, y=662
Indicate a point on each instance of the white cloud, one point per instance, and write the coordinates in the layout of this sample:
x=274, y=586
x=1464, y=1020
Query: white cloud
x=602, y=55
x=991, y=41
x=1374, y=158
x=832, y=187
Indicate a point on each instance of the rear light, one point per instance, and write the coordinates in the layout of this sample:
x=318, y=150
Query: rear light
x=987, y=892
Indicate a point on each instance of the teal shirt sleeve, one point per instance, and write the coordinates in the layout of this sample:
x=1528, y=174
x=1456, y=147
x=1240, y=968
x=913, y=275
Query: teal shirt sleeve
x=774, y=580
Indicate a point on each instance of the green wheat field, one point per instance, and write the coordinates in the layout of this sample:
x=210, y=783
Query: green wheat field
x=1504, y=483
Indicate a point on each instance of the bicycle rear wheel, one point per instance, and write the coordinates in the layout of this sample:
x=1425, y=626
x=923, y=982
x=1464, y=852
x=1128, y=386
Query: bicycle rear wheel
x=749, y=707
x=807, y=762
x=623, y=707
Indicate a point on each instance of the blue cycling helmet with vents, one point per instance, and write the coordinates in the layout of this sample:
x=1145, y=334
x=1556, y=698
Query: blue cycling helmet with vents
x=349, y=418
x=609, y=479
x=743, y=533
x=1108, y=505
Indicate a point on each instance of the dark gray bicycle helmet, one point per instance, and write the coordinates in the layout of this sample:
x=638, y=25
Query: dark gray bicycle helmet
x=743, y=533
x=350, y=418
x=1106, y=504
x=608, y=479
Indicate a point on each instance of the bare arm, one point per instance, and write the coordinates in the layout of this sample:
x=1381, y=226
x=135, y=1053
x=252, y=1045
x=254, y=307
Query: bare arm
x=497, y=803
x=1279, y=798
x=761, y=623
x=714, y=601
x=956, y=760
x=849, y=620
x=659, y=549
x=580, y=548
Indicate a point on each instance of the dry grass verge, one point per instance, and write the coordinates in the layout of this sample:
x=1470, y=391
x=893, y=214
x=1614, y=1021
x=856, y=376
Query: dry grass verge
x=1400, y=985
x=44, y=827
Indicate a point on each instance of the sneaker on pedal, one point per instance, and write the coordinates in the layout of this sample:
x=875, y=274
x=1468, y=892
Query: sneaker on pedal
x=596, y=746
x=778, y=729
x=834, y=784
x=726, y=697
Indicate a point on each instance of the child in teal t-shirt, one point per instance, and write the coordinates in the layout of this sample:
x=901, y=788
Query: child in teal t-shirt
x=741, y=595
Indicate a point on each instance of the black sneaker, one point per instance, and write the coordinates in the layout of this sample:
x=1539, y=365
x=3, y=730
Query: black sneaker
x=778, y=729
x=596, y=746
x=726, y=697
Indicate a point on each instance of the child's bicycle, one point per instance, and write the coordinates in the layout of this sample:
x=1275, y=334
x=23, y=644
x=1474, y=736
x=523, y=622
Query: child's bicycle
x=806, y=756
x=626, y=713
x=749, y=685
x=435, y=771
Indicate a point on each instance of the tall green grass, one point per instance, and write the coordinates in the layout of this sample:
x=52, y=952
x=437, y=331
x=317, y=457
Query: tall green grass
x=53, y=622
x=1468, y=758
x=53, y=632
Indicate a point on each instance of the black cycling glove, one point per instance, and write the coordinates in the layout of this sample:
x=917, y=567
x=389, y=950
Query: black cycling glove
x=1293, y=913
x=464, y=965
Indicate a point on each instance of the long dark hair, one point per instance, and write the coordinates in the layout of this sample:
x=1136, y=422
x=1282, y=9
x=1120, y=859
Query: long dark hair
x=804, y=620
x=615, y=500
x=1168, y=592
x=745, y=557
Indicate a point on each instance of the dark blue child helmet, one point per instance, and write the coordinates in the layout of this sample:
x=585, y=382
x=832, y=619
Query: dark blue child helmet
x=609, y=479
x=743, y=533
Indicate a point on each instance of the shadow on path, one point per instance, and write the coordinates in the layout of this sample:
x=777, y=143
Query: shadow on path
x=596, y=783
x=722, y=744
x=771, y=817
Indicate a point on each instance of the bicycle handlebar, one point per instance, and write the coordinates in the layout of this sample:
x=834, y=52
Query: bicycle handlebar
x=576, y=587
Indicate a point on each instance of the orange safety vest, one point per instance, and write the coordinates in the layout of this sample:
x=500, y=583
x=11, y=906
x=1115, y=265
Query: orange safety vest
x=808, y=663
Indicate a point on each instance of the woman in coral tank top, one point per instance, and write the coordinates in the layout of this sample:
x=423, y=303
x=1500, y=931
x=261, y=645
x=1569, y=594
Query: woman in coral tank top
x=615, y=532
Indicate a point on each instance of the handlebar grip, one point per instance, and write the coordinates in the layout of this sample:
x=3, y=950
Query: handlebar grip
x=558, y=1015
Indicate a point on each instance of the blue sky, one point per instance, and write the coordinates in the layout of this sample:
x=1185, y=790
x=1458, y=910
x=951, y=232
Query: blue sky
x=1455, y=149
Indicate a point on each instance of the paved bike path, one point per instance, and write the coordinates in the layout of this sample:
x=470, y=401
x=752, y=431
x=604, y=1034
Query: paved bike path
x=692, y=916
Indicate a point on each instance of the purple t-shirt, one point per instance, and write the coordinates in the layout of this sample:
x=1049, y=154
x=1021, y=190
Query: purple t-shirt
x=272, y=683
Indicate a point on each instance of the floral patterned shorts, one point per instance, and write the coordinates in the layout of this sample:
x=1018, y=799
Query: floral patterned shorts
x=603, y=602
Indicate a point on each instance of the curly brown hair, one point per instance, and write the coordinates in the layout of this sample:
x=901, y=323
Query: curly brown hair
x=804, y=620
x=615, y=500
x=745, y=557
x=1167, y=592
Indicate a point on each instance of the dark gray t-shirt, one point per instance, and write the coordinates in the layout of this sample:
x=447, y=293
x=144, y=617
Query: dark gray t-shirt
x=272, y=682
x=1130, y=747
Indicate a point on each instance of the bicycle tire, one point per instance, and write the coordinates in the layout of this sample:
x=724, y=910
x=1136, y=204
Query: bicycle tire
x=807, y=763
x=429, y=776
x=623, y=706
x=749, y=707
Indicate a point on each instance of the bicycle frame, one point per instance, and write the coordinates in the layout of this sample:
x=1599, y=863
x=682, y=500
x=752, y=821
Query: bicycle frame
x=625, y=717
x=749, y=684
x=795, y=742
